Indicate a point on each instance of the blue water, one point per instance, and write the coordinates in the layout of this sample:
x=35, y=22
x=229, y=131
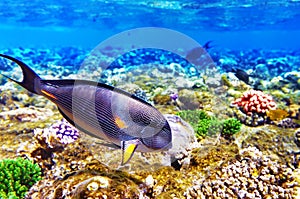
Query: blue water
x=230, y=24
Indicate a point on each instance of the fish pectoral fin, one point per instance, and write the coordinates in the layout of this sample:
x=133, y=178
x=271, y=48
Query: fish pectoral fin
x=128, y=149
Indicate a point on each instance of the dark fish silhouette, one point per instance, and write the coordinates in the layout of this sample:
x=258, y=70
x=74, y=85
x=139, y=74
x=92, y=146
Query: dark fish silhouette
x=207, y=45
x=103, y=111
x=241, y=75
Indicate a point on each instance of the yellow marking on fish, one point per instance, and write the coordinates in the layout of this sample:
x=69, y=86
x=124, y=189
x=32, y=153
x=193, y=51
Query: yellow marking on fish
x=48, y=94
x=128, y=152
x=120, y=123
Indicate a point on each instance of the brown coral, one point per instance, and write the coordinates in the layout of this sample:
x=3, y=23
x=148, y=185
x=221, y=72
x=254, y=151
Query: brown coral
x=277, y=114
x=253, y=175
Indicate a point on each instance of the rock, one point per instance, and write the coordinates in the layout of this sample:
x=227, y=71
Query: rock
x=189, y=99
x=182, y=82
x=31, y=114
x=183, y=140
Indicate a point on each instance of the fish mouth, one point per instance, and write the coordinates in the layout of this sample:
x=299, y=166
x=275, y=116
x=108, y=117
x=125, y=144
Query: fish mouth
x=161, y=141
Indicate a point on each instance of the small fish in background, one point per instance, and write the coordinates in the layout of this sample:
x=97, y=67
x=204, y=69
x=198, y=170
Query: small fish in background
x=103, y=111
x=196, y=53
x=207, y=45
x=241, y=75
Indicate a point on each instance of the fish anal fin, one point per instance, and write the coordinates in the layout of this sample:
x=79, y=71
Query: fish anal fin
x=67, y=118
x=111, y=145
x=128, y=149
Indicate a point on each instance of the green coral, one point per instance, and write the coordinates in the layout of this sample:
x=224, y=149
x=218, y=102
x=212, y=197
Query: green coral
x=205, y=125
x=193, y=116
x=198, y=119
x=215, y=126
x=208, y=126
x=202, y=127
x=16, y=177
x=231, y=126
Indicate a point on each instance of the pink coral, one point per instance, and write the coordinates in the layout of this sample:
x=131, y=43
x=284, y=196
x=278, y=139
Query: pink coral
x=254, y=101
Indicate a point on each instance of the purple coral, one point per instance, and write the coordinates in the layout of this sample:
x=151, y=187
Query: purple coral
x=288, y=123
x=64, y=131
x=174, y=96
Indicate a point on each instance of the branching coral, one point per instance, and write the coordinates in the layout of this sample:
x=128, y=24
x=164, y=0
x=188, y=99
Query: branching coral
x=202, y=127
x=231, y=126
x=193, y=117
x=251, y=175
x=205, y=125
x=16, y=177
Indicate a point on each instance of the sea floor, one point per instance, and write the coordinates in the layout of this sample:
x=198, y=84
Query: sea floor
x=261, y=160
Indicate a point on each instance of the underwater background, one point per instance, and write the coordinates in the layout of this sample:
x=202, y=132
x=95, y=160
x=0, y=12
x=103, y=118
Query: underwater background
x=227, y=82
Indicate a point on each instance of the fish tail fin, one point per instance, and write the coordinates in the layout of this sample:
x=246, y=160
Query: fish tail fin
x=31, y=81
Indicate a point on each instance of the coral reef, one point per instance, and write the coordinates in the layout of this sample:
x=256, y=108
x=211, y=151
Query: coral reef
x=17, y=176
x=277, y=114
x=72, y=165
x=62, y=130
x=297, y=138
x=201, y=122
x=255, y=102
x=215, y=126
x=48, y=142
x=287, y=123
x=183, y=141
x=231, y=126
x=253, y=107
x=226, y=81
x=251, y=175
x=90, y=181
x=162, y=99
x=193, y=117
x=26, y=114
x=250, y=120
x=164, y=183
x=204, y=124
x=189, y=99
x=212, y=166
x=209, y=126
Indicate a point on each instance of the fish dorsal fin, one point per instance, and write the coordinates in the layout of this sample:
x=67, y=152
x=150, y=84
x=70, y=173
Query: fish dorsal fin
x=57, y=83
x=128, y=148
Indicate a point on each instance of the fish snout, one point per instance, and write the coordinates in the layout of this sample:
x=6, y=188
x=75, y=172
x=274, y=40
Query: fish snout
x=160, y=141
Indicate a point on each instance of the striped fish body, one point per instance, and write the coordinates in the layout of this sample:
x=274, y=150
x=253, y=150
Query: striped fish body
x=103, y=111
x=109, y=113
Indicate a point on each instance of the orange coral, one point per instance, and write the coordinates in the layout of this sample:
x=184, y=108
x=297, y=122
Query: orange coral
x=277, y=114
x=255, y=101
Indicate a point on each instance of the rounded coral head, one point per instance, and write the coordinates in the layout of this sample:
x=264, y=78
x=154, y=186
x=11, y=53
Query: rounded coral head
x=254, y=101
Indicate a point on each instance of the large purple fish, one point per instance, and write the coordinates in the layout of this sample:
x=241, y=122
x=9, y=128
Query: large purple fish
x=103, y=111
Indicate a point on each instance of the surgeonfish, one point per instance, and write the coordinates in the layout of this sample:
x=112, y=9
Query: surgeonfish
x=241, y=75
x=103, y=111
